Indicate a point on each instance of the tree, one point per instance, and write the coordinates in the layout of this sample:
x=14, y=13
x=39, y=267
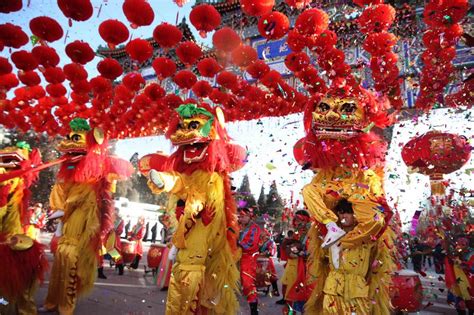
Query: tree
x=274, y=205
x=261, y=202
x=244, y=196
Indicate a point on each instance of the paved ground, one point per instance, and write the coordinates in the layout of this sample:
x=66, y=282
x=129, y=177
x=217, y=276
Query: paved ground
x=135, y=294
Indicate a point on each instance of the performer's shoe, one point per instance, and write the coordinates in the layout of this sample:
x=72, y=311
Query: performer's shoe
x=335, y=250
x=156, y=179
x=100, y=273
x=120, y=269
x=164, y=289
x=253, y=308
x=281, y=302
x=333, y=235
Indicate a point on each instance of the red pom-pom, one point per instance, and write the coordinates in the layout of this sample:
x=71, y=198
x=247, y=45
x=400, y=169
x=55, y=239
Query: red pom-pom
x=208, y=67
x=5, y=66
x=154, y=91
x=80, y=52
x=312, y=22
x=12, y=36
x=133, y=81
x=24, y=60
x=164, y=67
x=8, y=81
x=379, y=43
x=46, y=28
x=376, y=18
x=273, y=25
x=295, y=41
x=56, y=90
x=139, y=49
x=325, y=40
x=445, y=13
x=100, y=85
x=172, y=101
x=205, y=18
x=167, y=35
x=46, y=56
x=75, y=72
x=257, y=69
x=202, y=89
x=8, y=6
x=79, y=98
x=78, y=10
x=37, y=92
x=188, y=52
x=29, y=78
x=299, y=4
x=113, y=32
x=138, y=12
x=256, y=7
x=54, y=75
x=361, y=3
x=297, y=61
x=227, y=79
x=185, y=79
x=81, y=86
x=244, y=55
x=226, y=39
x=219, y=97
x=308, y=75
x=331, y=58
x=110, y=68
x=271, y=79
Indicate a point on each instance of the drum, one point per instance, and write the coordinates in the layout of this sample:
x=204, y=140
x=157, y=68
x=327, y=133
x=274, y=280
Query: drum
x=128, y=251
x=155, y=253
x=263, y=275
x=406, y=291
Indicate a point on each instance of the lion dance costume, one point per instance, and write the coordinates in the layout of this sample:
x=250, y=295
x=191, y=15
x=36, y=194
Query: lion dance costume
x=347, y=158
x=205, y=276
x=21, y=256
x=83, y=193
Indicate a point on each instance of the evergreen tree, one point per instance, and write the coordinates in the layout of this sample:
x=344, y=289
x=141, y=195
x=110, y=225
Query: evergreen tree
x=274, y=204
x=244, y=196
x=261, y=202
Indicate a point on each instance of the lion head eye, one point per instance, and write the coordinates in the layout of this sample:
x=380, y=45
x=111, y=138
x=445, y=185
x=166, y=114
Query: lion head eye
x=323, y=107
x=75, y=137
x=348, y=108
x=194, y=125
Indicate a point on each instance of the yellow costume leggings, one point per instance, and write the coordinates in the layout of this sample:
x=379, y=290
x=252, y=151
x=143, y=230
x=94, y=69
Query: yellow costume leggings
x=336, y=305
x=185, y=283
x=24, y=305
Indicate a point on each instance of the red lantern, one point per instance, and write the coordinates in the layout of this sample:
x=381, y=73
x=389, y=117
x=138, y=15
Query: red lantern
x=188, y=52
x=376, y=18
x=205, y=18
x=133, y=81
x=75, y=72
x=167, y=35
x=80, y=52
x=24, y=60
x=299, y=4
x=56, y=90
x=271, y=79
x=312, y=22
x=326, y=40
x=164, y=67
x=12, y=36
x=100, y=85
x=8, y=81
x=256, y=7
x=406, y=291
x=226, y=39
x=46, y=28
x=202, y=89
x=297, y=61
x=139, y=50
x=208, y=67
x=185, y=79
x=54, y=75
x=172, y=101
x=244, y=55
x=78, y=10
x=110, y=68
x=227, y=79
x=379, y=43
x=8, y=6
x=138, y=12
x=154, y=91
x=81, y=86
x=29, y=78
x=273, y=25
x=436, y=153
x=257, y=69
x=295, y=41
x=5, y=66
x=113, y=32
x=46, y=56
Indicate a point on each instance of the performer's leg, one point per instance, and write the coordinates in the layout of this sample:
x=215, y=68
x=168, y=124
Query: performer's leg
x=185, y=282
x=26, y=303
x=248, y=272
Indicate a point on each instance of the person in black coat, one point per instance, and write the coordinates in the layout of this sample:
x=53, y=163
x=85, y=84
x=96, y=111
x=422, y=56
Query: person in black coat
x=147, y=229
x=153, y=232
x=127, y=228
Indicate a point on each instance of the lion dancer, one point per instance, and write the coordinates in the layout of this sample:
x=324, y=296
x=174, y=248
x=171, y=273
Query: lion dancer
x=136, y=235
x=205, y=275
x=268, y=249
x=249, y=243
x=23, y=261
x=82, y=194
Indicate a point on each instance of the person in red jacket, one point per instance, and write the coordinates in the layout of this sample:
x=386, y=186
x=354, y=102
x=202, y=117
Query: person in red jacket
x=136, y=235
x=249, y=243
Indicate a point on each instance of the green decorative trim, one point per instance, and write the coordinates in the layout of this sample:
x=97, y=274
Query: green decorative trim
x=79, y=124
x=23, y=145
x=190, y=110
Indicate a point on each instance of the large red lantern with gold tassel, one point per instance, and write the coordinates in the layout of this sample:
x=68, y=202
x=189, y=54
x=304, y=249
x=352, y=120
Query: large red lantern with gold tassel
x=436, y=153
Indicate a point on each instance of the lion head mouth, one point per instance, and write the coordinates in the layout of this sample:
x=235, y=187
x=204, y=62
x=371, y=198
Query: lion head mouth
x=196, y=152
x=332, y=132
x=11, y=160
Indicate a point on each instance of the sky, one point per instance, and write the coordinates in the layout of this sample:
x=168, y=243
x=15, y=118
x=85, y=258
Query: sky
x=269, y=141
